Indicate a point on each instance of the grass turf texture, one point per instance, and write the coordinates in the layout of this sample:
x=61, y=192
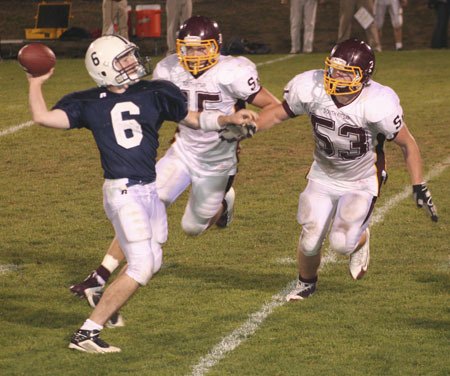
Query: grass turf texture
x=393, y=322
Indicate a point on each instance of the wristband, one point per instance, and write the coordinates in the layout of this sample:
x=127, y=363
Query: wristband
x=209, y=121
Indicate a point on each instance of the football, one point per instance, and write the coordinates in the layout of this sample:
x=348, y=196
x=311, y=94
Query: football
x=36, y=59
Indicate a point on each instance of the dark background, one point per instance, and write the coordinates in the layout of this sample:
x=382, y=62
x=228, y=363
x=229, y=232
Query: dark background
x=260, y=21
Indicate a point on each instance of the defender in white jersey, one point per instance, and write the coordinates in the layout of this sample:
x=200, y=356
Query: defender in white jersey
x=351, y=117
x=210, y=82
x=202, y=159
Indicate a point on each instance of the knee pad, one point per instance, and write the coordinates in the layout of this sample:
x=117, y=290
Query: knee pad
x=193, y=224
x=338, y=243
x=192, y=227
x=310, y=242
x=141, y=262
x=141, y=273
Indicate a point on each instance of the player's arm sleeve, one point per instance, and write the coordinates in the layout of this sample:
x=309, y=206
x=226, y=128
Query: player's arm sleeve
x=386, y=114
x=292, y=105
x=73, y=109
x=171, y=102
x=293, y=102
x=240, y=78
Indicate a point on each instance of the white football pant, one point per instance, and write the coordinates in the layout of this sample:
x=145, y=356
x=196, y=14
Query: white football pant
x=347, y=212
x=205, y=197
x=140, y=222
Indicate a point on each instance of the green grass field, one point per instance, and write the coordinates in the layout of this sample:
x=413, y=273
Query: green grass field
x=215, y=307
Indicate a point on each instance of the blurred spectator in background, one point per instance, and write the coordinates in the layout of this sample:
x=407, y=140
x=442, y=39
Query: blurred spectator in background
x=395, y=8
x=115, y=11
x=177, y=12
x=347, y=9
x=302, y=12
x=440, y=33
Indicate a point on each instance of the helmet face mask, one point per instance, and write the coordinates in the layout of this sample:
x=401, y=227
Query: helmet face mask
x=198, y=44
x=194, y=61
x=129, y=66
x=342, y=79
x=349, y=68
x=114, y=61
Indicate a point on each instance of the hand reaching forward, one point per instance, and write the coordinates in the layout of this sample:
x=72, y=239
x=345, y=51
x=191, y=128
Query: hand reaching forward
x=240, y=125
x=242, y=117
x=235, y=133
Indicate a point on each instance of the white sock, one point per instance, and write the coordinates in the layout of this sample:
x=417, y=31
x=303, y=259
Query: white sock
x=110, y=263
x=91, y=325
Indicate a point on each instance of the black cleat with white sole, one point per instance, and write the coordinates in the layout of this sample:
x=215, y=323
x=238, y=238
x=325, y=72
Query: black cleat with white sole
x=90, y=341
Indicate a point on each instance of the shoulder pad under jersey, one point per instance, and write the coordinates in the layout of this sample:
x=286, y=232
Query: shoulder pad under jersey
x=230, y=69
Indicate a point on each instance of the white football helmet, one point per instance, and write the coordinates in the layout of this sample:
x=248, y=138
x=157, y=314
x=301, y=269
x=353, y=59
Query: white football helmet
x=113, y=60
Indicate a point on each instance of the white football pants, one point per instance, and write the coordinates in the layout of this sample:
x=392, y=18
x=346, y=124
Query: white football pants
x=348, y=213
x=140, y=222
x=205, y=197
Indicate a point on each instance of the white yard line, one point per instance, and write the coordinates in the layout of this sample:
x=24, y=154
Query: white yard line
x=8, y=268
x=249, y=327
x=16, y=128
x=286, y=57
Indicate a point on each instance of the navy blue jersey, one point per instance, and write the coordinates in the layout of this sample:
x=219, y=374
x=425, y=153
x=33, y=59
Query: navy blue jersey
x=125, y=126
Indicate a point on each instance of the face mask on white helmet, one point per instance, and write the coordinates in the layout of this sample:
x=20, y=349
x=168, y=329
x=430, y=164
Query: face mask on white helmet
x=113, y=60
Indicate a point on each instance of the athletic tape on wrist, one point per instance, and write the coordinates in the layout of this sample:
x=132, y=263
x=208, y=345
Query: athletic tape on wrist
x=209, y=121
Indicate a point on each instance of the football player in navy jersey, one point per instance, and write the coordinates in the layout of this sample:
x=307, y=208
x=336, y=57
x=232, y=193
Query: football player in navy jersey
x=124, y=114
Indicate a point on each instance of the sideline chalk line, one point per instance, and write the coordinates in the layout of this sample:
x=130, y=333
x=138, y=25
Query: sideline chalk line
x=16, y=128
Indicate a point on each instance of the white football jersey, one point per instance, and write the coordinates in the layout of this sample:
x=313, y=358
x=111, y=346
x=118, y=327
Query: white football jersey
x=219, y=88
x=349, y=138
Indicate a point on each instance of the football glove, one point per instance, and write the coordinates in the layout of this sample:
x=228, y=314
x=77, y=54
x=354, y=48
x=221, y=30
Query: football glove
x=233, y=133
x=422, y=197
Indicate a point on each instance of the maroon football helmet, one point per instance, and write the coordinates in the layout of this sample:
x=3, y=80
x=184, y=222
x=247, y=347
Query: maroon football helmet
x=349, y=67
x=198, y=44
